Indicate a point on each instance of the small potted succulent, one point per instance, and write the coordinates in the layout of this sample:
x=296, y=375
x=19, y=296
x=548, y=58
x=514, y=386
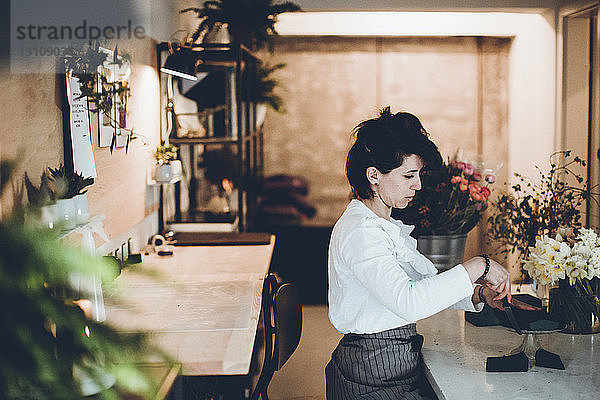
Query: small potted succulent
x=41, y=197
x=168, y=167
x=71, y=197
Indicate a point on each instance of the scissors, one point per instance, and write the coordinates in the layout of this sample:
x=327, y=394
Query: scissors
x=511, y=316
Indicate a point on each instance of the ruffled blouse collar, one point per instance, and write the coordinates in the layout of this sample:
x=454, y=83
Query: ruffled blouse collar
x=406, y=245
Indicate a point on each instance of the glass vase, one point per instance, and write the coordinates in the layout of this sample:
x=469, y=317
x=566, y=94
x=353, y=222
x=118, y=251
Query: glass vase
x=543, y=293
x=578, y=305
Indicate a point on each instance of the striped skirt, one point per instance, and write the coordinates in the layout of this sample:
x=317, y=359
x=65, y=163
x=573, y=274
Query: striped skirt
x=383, y=365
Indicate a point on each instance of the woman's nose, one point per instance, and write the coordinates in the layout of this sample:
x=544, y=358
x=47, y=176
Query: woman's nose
x=417, y=184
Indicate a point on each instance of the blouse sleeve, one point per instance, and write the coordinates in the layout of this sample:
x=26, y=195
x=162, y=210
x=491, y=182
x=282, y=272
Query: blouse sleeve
x=369, y=253
x=467, y=305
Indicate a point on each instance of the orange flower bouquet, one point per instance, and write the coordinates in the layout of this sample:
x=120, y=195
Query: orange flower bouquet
x=452, y=199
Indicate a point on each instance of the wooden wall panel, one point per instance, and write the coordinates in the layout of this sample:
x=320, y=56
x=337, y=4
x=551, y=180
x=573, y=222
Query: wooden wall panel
x=328, y=87
x=332, y=83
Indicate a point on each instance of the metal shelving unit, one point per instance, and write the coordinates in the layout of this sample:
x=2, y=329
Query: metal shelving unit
x=234, y=131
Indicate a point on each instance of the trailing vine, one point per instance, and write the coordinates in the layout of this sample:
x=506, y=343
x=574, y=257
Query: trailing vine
x=84, y=64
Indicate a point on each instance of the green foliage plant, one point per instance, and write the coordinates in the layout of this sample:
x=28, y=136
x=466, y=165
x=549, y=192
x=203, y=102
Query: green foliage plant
x=533, y=209
x=42, y=195
x=84, y=63
x=250, y=22
x=264, y=87
x=44, y=332
x=68, y=184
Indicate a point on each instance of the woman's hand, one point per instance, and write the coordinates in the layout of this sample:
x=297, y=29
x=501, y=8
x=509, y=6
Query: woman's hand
x=497, y=277
x=489, y=296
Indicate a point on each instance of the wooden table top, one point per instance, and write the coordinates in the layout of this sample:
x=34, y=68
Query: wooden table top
x=201, y=305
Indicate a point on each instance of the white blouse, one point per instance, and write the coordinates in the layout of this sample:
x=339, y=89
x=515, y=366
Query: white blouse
x=379, y=281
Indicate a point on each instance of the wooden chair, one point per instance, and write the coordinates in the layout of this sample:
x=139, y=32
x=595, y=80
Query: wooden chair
x=282, y=317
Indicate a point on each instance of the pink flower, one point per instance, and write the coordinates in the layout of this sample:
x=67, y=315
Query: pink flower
x=476, y=196
x=485, y=192
x=456, y=179
x=474, y=188
x=476, y=176
x=469, y=169
x=460, y=165
x=490, y=178
x=463, y=187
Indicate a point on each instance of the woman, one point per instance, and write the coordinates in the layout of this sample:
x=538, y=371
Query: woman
x=379, y=284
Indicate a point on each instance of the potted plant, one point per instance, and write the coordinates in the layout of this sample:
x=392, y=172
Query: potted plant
x=541, y=223
x=103, y=85
x=448, y=206
x=72, y=199
x=263, y=86
x=571, y=260
x=168, y=167
x=45, y=333
x=42, y=200
x=249, y=22
x=535, y=209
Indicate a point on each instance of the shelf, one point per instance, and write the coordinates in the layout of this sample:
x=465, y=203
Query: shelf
x=93, y=224
x=202, y=140
x=156, y=183
x=226, y=86
x=203, y=226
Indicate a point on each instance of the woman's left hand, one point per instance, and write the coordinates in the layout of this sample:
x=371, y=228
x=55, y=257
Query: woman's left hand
x=489, y=295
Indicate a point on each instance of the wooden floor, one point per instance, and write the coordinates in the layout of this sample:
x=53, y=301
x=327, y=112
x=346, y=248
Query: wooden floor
x=303, y=376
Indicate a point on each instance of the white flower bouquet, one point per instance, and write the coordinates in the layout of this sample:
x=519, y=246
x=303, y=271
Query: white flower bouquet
x=573, y=261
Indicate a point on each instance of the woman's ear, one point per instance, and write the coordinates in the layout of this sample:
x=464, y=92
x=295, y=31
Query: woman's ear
x=372, y=175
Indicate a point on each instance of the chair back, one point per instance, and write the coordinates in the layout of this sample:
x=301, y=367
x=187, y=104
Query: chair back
x=288, y=323
x=282, y=319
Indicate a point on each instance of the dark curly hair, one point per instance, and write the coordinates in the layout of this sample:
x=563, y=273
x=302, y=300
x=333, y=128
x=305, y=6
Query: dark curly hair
x=384, y=142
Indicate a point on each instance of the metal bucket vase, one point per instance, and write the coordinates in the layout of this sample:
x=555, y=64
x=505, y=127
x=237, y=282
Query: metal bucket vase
x=444, y=251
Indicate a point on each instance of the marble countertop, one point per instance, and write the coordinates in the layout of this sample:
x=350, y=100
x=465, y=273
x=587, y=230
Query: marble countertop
x=455, y=352
x=201, y=305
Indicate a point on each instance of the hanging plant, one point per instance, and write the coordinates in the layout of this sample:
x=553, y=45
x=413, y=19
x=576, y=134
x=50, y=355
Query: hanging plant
x=250, y=22
x=88, y=65
x=263, y=85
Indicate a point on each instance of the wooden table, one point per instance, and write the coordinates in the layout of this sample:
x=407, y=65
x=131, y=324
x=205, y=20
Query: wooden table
x=162, y=377
x=201, y=305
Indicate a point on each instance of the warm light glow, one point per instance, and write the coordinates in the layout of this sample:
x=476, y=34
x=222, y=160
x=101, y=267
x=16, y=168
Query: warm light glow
x=50, y=327
x=227, y=185
x=145, y=86
x=87, y=331
x=86, y=306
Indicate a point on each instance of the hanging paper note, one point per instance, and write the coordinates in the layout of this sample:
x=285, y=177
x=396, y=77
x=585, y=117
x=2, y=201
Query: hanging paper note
x=81, y=140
